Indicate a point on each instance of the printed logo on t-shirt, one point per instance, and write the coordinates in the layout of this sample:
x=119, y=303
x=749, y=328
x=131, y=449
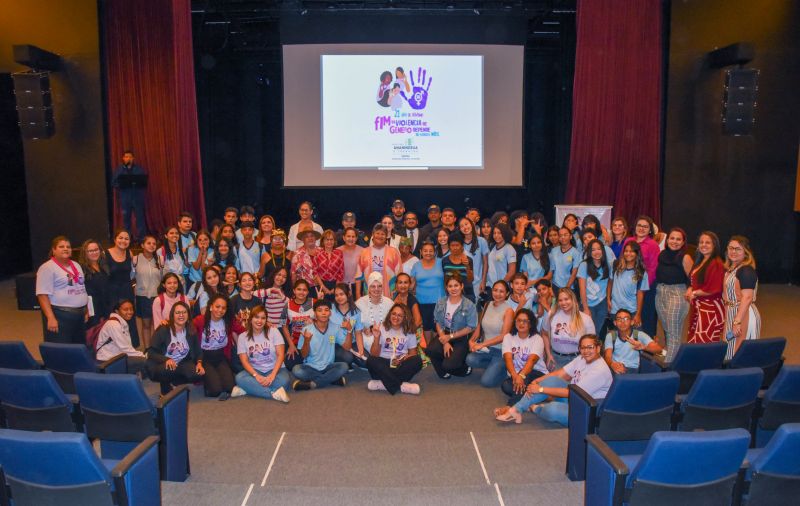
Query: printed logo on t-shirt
x=177, y=350
x=214, y=339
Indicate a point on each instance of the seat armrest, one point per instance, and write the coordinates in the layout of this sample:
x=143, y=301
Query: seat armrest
x=115, y=365
x=172, y=419
x=606, y=474
x=582, y=421
x=136, y=476
x=173, y=395
x=649, y=362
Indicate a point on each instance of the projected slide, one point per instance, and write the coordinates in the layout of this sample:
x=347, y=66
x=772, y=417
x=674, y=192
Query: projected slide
x=402, y=112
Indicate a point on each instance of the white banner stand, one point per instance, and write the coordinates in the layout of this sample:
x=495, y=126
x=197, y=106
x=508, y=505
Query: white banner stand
x=603, y=213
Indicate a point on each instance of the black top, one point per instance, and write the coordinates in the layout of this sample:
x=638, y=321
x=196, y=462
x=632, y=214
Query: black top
x=241, y=307
x=670, y=268
x=273, y=264
x=161, y=339
x=747, y=277
x=97, y=289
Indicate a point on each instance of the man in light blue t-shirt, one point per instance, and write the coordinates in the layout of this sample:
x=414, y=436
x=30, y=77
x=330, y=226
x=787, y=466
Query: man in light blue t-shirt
x=317, y=345
x=622, y=346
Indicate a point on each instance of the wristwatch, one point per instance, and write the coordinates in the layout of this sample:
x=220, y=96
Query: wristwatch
x=522, y=376
x=541, y=389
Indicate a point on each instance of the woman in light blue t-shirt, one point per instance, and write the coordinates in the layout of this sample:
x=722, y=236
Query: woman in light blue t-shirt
x=593, y=277
x=502, y=256
x=429, y=285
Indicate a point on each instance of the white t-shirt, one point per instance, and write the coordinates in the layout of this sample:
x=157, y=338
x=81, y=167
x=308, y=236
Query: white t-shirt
x=449, y=312
x=217, y=336
x=372, y=314
x=564, y=340
x=595, y=378
x=294, y=243
x=522, y=349
x=60, y=287
x=378, y=255
x=178, y=347
x=409, y=264
x=396, y=343
x=259, y=349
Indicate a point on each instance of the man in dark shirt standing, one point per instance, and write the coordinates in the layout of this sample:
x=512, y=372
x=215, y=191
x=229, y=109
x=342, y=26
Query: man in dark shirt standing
x=433, y=225
x=131, y=194
x=398, y=216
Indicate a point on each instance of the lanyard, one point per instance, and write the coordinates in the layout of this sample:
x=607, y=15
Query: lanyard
x=71, y=276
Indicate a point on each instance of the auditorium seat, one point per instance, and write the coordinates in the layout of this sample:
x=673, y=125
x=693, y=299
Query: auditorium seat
x=764, y=353
x=32, y=400
x=781, y=404
x=118, y=413
x=689, y=360
x=676, y=468
x=61, y=468
x=720, y=399
x=64, y=360
x=637, y=405
x=773, y=475
x=14, y=355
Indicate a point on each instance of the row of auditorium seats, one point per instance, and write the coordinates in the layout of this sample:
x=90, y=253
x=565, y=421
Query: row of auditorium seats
x=636, y=406
x=696, y=468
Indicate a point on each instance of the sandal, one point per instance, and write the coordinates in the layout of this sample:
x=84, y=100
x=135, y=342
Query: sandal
x=510, y=416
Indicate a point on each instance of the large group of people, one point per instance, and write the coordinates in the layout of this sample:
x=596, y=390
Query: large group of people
x=248, y=309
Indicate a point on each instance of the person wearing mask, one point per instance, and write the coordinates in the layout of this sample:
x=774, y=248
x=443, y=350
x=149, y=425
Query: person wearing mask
x=317, y=346
x=455, y=317
x=623, y=344
x=174, y=350
x=672, y=277
x=261, y=353
x=115, y=337
x=706, y=312
x=379, y=258
x=393, y=360
x=130, y=180
x=742, y=319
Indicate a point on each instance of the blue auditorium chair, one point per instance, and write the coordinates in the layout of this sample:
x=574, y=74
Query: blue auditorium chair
x=64, y=360
x=720, y=399
x=118, y=413
x=32, y=400
x=637, y=405
x=781, y=404
x=676, y=468
x=61, y=468
x=773, y=475
x=689, y=360
x=764, y=353
x=14, y=355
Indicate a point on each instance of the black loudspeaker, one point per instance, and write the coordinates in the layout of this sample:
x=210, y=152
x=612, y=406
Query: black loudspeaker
x=735, y=54
x=34, y=104
x=26, y=292
x=739, y=102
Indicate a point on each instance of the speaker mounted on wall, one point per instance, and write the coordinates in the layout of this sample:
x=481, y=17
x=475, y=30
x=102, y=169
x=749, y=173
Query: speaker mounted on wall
x=739, y=101
x=34, y=104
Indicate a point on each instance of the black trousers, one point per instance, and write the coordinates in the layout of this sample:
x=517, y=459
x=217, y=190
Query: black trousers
x=392, y=377
x=183, y=374
x=71, y=327
x=290, y=362
x=219, y=376
x=342, y=355
x=454, y=364
x=508, y=387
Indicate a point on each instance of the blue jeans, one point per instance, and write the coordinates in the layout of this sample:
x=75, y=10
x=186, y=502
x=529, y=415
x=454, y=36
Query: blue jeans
x=557, y=412
x=529, y=400
x=562, y=360
x=493, y=362
x=250, y=385
x=599, y=314
x=325, y=377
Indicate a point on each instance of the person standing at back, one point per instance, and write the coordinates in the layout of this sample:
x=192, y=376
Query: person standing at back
x=131, y=187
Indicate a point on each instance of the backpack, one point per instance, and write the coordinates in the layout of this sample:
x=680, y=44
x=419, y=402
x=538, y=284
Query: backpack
x=92, y=333
x=615, y=334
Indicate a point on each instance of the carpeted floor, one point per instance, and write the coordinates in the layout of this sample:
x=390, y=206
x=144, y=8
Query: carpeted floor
x=346, y=445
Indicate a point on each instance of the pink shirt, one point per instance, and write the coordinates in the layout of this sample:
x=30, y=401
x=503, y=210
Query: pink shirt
x=650, y=252
x=162, y=305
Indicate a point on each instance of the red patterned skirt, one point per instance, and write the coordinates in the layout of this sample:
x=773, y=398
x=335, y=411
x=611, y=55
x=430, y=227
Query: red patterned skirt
x=706, y=320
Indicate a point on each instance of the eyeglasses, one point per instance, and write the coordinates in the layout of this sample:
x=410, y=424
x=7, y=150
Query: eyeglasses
x=642, y=225
x=622, y=318
x=523, y=320
x=735, y=248
x=98, y=251
x=180, y=313
x=588, y=347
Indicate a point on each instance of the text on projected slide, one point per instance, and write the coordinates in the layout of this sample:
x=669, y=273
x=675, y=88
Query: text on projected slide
x=402, y=111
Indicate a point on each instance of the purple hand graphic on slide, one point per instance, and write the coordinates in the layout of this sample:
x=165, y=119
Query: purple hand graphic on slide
x=419, y=95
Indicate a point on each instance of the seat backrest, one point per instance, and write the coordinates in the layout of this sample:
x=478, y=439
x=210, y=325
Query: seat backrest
x=53, y=468
x=721, y=399
x=693, y=358
x=14, y=355
x=764, y=353
x=637, y=405
x=64, y=360
x=775, y=475
x=115, y=406
x=32, y=400
x=782, y=399
x=689, y=467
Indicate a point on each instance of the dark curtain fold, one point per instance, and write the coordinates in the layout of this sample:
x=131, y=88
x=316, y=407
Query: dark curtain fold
x=152, y=109
x=616, y=120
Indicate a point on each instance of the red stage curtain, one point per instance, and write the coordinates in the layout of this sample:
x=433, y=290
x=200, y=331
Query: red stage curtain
x=616, y=118
x=152, y=110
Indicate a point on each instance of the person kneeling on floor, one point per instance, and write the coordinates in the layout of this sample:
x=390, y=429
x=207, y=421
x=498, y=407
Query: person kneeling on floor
x=393, y=359
x=261, y=351
x=317, y=346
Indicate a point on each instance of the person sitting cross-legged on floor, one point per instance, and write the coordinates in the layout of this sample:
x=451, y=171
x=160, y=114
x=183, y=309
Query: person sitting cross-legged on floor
x=588, y=371
x=523, y=355
x=393, y=359
x=261, y=351
x=317, y=346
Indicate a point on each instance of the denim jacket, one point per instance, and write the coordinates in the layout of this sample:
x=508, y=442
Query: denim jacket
x=466, y=314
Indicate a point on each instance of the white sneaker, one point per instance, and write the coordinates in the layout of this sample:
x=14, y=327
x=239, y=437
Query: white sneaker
x=238, y=391
x=375, y=385
x=409, y=388
x=280, y=395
